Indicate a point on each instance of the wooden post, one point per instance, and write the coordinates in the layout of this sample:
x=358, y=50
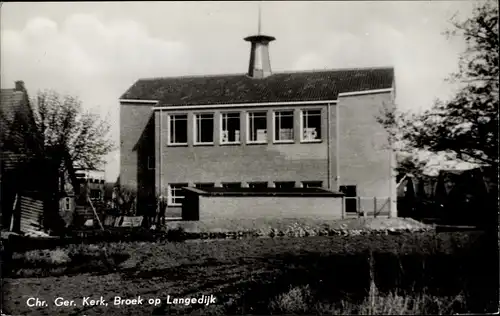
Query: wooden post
x=375, y=207
x=359, y=206
x=95, y=212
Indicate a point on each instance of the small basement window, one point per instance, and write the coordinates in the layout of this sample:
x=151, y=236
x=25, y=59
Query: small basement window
x=175, y=195
x=202, y=186
x=312, y=184
x=284, y=184
x=232, y=185
x=257, y=185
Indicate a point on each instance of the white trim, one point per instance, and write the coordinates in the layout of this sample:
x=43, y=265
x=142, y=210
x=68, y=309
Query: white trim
x=283, y=141
x=221, y=120
x=139, y=101
x=169, y=143
x=236, y=105
x=169, y=194
x=319, y=140
x=347, y=94
x=195, y=129
x=248, y=140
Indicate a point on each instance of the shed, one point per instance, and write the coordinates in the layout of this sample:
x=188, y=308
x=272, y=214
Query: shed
x=253, y=203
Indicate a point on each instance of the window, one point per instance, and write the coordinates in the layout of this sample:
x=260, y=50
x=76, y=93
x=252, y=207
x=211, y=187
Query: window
x=230, y=128
x=257, y=185
x=175, y=195
x=95, y=194
x=204, y=128
x=203, y=186
x=285, y=184
x=351, y=202
x=311, y=126
x=232, y=185
x=283, y=126
x=151, y=162
x=312, y=184
x=257, y=127
x=177, y=126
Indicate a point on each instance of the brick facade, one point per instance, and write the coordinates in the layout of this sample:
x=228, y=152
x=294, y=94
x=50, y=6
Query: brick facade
x=359, y=156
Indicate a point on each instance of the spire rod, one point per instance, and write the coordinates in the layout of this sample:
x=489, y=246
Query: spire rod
x=260, y=19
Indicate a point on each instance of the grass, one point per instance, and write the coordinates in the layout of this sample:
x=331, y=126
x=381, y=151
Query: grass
x=424, y=272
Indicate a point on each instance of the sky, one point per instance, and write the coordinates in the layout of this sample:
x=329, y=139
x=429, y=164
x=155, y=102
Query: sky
x=97, y=50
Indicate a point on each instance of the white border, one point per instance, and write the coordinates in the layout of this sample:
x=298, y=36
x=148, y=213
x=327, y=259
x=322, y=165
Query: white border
x=221, y=116
x=236, y=105
x=195, y=129
x=248, y=141
x=306, y=141
x=169, y=143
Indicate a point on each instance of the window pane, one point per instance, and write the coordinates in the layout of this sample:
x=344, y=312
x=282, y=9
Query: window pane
x=230, y=127
x=202, y=186
x=258, y=126
x=178, y=129
x=311, y=122
x=204, y=128
x=283, y=123
x=176, y=194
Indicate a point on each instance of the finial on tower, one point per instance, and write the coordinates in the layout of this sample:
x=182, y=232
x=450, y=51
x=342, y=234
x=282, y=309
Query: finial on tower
x=260, y=19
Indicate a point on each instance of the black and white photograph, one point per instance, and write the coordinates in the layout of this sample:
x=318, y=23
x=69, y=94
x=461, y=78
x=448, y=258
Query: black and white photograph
x=249, y=158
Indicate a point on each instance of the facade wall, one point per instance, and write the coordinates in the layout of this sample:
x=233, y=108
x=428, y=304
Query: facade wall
x=364, y=157
x=270, y=207
x=244, y=163
x=136, y=145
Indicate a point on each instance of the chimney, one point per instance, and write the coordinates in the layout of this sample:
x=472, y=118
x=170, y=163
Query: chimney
x=260, y=64
x=20, y=85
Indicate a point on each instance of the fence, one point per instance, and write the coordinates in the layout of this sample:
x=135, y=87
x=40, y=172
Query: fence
x=364, y=206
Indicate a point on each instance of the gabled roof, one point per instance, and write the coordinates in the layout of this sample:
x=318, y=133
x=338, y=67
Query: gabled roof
x=279, y=87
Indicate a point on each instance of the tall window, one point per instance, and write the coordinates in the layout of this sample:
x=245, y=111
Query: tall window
x=285, y=184
x=177, y=125
x=175, y=195
x=257, y=127
x=312, y=184
x=204, y=128
x=311, y=126
x=230, y=128
x=283, y=126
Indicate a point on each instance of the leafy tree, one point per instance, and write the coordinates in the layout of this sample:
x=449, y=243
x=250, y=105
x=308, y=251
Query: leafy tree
x=465, y=128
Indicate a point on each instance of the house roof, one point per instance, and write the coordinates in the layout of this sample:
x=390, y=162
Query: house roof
x=11, y=101
x=279, y=87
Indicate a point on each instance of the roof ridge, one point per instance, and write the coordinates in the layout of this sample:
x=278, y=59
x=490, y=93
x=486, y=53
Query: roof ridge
x=334, y=69
x=276, y=72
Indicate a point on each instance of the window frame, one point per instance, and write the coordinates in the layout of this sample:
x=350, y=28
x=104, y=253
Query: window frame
x=221, y=125
x=170, y=196
x=169, y=126
x=275, y=135
x=248, y=137
x=195, y=128
x=302, y=115
x=304, y=184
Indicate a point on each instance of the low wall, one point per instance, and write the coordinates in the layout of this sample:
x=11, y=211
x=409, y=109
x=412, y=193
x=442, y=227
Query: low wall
x=253, y=207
